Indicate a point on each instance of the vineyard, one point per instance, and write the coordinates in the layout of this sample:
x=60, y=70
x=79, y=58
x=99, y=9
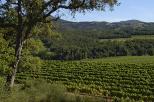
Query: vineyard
x=135, y=81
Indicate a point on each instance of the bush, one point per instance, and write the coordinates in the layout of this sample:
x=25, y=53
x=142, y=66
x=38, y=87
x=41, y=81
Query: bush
x=35, y=91
x=30, y=63
x=6, y=56
x=41, y=91
x=2, y=84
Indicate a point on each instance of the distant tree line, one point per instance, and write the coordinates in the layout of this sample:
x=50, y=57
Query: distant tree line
x=100, y=50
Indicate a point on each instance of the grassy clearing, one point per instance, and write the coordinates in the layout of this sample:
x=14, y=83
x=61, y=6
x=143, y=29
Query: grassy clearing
x=125, y=59
x=143, y=37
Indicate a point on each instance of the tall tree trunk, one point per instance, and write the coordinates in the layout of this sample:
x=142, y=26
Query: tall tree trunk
x=19, y=46
x=18, y=51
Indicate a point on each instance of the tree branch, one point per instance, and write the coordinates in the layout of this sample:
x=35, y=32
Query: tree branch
x=49, y=13
x=72, y=7
x=48, y=3
x=64, y=7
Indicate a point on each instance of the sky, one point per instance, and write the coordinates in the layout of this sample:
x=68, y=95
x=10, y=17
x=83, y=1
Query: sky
x=142, y=10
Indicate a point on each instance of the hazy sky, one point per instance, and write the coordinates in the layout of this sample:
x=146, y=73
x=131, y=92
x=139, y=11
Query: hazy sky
x=129, y=9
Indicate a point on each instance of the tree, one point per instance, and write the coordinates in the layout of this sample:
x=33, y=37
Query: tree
x=25, y=15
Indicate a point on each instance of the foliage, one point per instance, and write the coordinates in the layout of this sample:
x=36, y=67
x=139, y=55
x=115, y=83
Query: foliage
x=83, y=48
x=29, y=62
x=2, y=85
x=6, y=56
x=35, y=46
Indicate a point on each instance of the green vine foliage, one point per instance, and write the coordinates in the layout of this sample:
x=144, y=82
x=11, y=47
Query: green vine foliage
x=6, y=56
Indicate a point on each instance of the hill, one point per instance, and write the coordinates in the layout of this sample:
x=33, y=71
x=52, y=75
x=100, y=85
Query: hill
x=119, y=29
x=81, y=40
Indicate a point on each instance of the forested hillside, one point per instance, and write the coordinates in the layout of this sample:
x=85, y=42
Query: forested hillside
x=109, y=30
x=97, y=40
x=100, y=39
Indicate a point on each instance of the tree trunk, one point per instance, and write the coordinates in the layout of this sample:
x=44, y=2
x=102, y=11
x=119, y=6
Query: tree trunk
x=22, y=35
x=19, y=45
x=18, y=51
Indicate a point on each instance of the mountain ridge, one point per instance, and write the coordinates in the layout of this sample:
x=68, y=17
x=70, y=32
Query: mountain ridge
x=124, y=26
x=131, y=20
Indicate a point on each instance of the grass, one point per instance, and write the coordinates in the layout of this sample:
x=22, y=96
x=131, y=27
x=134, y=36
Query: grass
x=143, y=37
x=125, y=59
